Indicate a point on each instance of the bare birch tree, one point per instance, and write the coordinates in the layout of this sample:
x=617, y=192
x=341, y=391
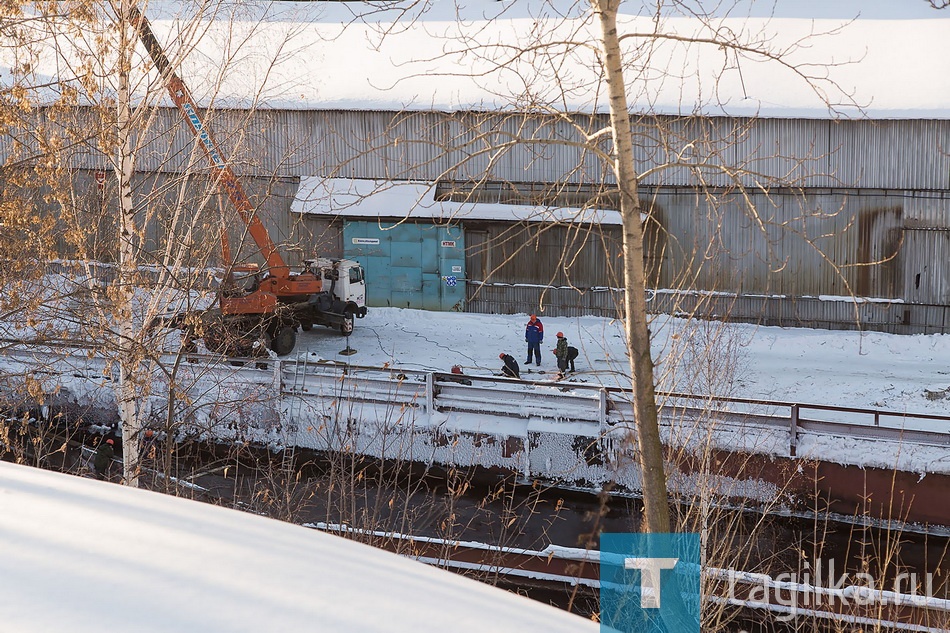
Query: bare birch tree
x=128, y=356
x=656, y=502
x=535, y=73
x=144, y=245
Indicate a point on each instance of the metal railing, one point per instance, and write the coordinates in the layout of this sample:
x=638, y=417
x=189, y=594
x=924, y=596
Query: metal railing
x=608, y=406
x=572, y=402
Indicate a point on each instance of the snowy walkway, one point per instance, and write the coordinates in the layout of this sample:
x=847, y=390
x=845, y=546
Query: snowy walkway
x=866, y=370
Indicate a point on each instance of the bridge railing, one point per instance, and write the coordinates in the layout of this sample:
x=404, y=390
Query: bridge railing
x=568, y=401
x=608, y=406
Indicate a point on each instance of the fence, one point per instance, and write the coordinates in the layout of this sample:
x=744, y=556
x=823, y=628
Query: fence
x=605, y=406
x=602, y=407
x=830, y=313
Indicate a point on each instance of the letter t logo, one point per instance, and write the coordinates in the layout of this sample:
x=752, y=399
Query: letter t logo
x=650, y=578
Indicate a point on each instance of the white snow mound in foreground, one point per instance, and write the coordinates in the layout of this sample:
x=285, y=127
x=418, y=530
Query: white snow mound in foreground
x=79, y=555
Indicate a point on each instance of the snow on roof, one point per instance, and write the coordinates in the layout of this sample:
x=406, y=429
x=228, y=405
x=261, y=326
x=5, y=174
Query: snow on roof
x=361, y=56
x=416, y=200
x=887, y=56
x=83, y=556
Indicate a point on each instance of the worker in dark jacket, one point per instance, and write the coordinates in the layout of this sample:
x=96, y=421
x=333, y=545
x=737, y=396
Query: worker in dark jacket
x=456, y=376
x=103, y=460
x=510, y=368
x=561, y=352
x=534, y=336
x=571, y=355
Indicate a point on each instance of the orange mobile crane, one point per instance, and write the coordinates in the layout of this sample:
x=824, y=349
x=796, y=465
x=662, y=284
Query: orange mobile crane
x=268, y=312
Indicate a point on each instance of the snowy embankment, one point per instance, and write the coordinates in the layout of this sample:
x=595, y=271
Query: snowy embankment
x=76, y=305
x=79, y=555
x=843, y=368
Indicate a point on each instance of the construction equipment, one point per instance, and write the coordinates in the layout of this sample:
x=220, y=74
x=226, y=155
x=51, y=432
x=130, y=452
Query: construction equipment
x=265, y=310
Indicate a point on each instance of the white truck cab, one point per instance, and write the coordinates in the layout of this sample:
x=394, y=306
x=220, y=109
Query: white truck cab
x=344, y=279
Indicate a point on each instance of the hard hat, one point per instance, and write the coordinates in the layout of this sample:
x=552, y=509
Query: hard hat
x=560, y=334
x=502, y=355
x=109, y=442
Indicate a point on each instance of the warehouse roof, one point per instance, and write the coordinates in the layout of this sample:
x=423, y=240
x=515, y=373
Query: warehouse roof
x=878, y=58
x=379, y=199
x=866, y=54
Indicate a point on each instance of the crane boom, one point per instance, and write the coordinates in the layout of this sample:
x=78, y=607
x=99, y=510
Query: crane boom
x=227, y=180
x=267, y=313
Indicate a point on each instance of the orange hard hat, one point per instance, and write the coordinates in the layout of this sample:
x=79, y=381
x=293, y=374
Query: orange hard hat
x=502, y=355
x=109, y=442
x=560, y=334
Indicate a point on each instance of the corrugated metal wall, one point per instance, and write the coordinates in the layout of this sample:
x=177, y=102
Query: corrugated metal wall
x=828, y=244
x=187, y=206
x=544, y=255
x=559, y=302
x=318, y=234
x=783, y=244
x=879, y=154
x=871, y=223
x=926, y=249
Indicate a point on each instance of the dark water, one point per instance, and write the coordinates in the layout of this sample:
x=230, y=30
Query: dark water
x=480, y=506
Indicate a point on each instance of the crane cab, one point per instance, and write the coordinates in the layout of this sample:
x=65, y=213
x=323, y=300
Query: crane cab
x=343, y=279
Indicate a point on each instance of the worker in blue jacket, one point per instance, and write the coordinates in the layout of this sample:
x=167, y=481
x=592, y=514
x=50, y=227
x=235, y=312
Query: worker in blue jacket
x=534, y=336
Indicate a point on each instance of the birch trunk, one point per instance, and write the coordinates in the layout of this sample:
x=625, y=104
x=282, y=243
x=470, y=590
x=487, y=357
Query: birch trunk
x=650, y=449
x=128, y=357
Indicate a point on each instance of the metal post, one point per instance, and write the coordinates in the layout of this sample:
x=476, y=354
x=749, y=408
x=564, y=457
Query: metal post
x=602, y=414
x=527, y=456
x=430, y=396
x=793, y=431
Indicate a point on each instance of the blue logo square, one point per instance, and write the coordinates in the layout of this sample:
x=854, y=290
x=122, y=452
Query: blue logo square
x=650, y=583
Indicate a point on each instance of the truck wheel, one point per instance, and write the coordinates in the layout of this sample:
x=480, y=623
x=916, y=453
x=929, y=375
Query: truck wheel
x=346, y=328
x=284, y=342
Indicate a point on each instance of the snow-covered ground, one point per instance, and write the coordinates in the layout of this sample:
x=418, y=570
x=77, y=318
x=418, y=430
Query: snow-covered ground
x=82, y=556
x=867, y=370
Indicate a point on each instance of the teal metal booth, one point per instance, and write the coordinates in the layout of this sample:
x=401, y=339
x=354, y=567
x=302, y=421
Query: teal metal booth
x=409, y=265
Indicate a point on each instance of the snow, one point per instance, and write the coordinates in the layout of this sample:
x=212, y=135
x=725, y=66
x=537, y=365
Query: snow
x=844, y=368
x=818, y=367
x=408, y=56
x=899, y=376
x=81, y=555
x=413, y=200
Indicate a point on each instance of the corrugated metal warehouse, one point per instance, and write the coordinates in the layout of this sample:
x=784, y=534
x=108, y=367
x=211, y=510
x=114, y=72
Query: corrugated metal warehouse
x=817, y=218
x=867, y=218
